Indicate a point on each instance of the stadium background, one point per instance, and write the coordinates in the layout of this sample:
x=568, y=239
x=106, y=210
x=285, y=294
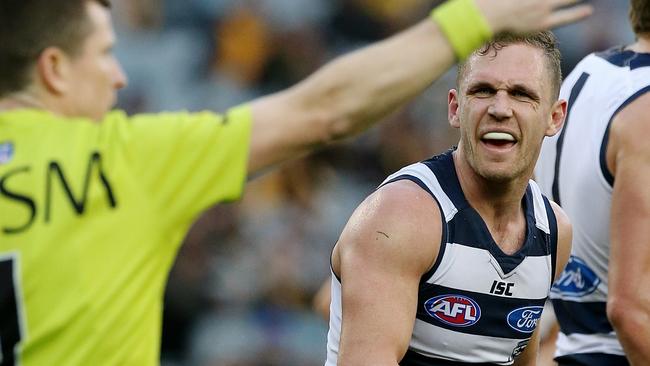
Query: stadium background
x=241, y=290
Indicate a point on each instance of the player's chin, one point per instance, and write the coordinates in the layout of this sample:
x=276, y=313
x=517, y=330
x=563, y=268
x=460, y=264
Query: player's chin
x=499, y=172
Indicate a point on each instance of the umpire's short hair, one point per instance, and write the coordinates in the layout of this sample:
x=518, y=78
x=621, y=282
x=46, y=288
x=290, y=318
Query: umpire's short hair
x=543, y=40
x=28, y=27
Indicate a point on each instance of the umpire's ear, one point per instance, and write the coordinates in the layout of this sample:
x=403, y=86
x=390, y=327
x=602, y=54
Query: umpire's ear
x=52, y=69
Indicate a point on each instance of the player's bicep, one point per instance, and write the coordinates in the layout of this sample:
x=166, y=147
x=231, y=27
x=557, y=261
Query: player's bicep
x=630, y=214
x=379, y=304
x=630, y=211
x=380, y=259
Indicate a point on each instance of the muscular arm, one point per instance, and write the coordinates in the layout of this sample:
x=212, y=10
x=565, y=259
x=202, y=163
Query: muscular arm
x=352, y=92
x=383, y=251
x=628, y=303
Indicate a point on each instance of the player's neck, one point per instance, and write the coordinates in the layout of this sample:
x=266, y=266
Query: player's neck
x=498, y=204
x=495, y=201
x=642, y=45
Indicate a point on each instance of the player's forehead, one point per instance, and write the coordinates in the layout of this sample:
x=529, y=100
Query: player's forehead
x=512, y=64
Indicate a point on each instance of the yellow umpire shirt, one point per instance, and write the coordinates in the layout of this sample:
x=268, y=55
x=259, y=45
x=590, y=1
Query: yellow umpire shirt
x=91, y=218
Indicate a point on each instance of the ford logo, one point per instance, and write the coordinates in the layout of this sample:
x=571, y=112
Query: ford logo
x=576, y=280
x=454, y=310
x=525, y=319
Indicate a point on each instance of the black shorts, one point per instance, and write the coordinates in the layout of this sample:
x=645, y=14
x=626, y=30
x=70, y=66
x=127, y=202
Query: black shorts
x=592, y=359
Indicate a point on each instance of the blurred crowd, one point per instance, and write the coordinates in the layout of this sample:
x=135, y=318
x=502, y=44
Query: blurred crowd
x=241, y=291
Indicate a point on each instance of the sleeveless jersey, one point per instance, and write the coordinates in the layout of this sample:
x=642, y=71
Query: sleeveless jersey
x=476, y=304
x=572, y=168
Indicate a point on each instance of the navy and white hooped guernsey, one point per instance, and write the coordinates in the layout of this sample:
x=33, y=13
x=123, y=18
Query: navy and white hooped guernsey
x=572, y=169
x=477, y=304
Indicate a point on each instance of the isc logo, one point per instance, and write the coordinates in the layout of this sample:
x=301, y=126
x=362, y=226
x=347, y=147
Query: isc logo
x=456, y=310
x=502, y=288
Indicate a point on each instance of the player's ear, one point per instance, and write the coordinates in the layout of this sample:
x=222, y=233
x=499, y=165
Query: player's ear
x=53, y=68
x=452, y=109
x=556, y=120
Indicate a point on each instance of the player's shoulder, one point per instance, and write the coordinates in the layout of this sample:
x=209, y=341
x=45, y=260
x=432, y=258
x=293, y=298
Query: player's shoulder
x=406, y=208
x=404, y=197
x=564, y=226
x=634, y=115
x=631, y=126
x=559, y=213
x=561, y=217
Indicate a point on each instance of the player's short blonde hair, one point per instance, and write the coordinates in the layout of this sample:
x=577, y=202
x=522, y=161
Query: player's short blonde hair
x=543, y=40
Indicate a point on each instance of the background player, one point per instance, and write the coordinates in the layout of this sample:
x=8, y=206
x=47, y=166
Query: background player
x=597, y=168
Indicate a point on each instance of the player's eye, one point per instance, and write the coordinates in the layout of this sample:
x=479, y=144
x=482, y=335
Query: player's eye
x=482, y=91
x=521, y=94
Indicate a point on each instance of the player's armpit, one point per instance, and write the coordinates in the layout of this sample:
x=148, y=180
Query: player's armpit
x=387, y=245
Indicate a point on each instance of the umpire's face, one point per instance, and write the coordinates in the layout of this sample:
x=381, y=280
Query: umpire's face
x=89, y=88
x=504, y=107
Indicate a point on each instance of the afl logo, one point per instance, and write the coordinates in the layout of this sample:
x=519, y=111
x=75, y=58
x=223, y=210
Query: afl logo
x=525, y=319
x=576, y=280
x=454, y=310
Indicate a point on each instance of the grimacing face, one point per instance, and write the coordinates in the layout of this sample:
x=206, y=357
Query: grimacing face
x=97, y=75
x=504, y=107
